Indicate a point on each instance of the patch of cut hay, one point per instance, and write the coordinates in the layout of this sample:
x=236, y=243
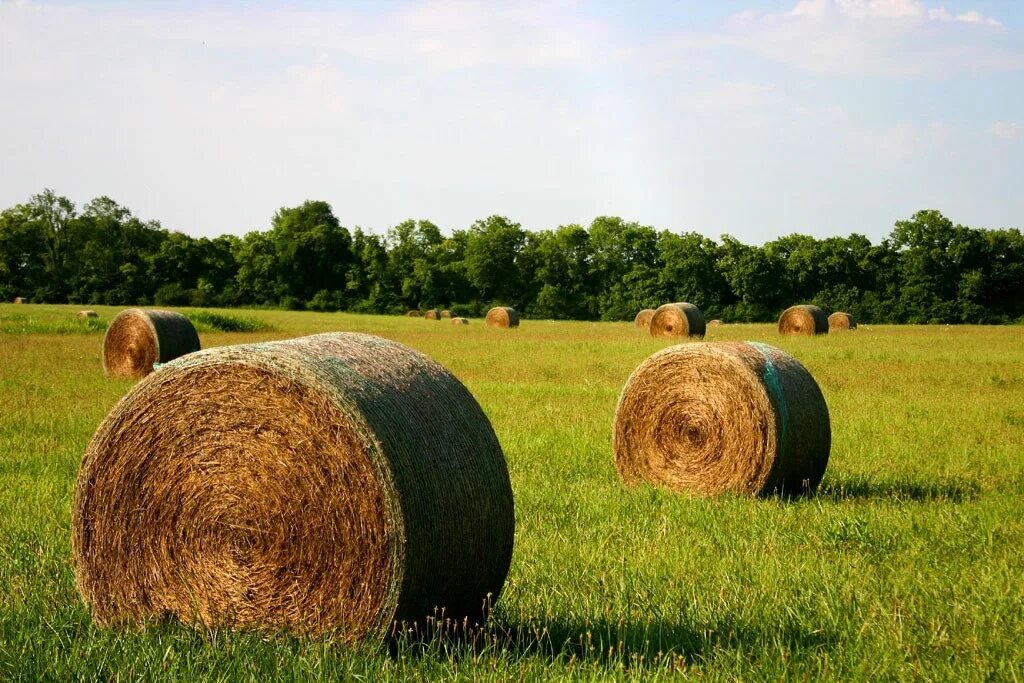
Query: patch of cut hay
x=677, y=320
x=738, y=417
x=337, y=483
x=803, y=319
x=502, y=316
x=643, y=318
x=840, y=322
x=136, y=339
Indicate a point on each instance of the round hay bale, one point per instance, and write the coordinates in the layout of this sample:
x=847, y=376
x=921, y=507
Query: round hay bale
x=432, y=314
x=413, y=314
x=643, y=318
x=19, y=300
x=727, y=416
x=840, y=322
x=86, y=314
x=502, y=316
x=677, y=320
x=136, y=339
x=333, y=483
x=715, y=323
x=803, y=319
x=446, y=313
x=460, y=321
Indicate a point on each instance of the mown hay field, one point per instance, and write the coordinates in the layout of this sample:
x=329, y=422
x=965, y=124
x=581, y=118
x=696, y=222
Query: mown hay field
x=908, y=564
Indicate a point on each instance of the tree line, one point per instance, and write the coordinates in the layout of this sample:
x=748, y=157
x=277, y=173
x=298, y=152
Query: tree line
x=927, y=270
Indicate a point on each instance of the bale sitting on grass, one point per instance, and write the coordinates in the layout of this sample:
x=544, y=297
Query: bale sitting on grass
x=432, y=314
x=413, y=314
x=19, y=300
x=460, y=321
x=840, y=322
x=446, y=313
x=804, y=319
x=337, y=483
x=136, y=339
x=86, y=314
x=677, y=320
x=722, y=417
x=643, y=318
x=502, y=316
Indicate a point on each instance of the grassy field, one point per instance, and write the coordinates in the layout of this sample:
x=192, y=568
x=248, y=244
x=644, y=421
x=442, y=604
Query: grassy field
x=909, y=564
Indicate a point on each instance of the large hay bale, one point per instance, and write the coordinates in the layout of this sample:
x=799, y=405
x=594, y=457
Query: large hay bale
x=677, y=320
x=19, y=300
x=803, y=319
x=136, y=339
x=413, y=314
x=643, y=318
x=727, y=416
x=460, y=321
x=432, y=314
x=446, y=313
x=840, y=322
x=334, y=483
x=87, y=314
x=502, y=316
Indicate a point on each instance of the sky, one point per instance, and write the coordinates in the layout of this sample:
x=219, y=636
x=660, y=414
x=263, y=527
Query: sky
x=742, y=117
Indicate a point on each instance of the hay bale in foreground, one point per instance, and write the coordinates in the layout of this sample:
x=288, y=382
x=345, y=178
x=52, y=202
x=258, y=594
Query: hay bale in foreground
x=19, y=300
x=677, y=320
x=803, y=319
x=86, y=314
x=460, y=321
x=413, y=314
x=502, y=316
x=432, y=314
x=332, y=483
x=446, y=313
x=136, y=339
x=840, y=322
x=643, y=318
x=727, y=416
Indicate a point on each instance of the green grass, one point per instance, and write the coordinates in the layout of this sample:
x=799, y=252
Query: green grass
x=907, y=565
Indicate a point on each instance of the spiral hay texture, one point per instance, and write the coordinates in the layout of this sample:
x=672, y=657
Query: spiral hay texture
x=333, y=483
x=840, y=322
x=643, y=318
x=722, y=417
x=86, y=314
x=677, y=320
x=432, y=314
x=460, y=321
x=805, y=319
x=502, y=316
x=136, y=339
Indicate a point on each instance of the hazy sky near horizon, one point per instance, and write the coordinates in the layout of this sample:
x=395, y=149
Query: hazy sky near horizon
x=749, y=117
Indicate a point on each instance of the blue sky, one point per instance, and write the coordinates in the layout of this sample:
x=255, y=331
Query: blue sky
x=750, y=118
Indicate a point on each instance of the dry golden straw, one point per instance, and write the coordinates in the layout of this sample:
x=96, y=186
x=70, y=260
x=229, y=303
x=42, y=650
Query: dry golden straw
x=446, y=313
x=19, y=300
x=86, y=314
x=333, y=483
x=677, y=320
x=432, y=314
x=502, y=316
x=643, y=318
x=805, y=319
x=840, y=321
x=460, y=321
x=727, y=416
x=715, y=323
x=136, y=339
x=413, y=314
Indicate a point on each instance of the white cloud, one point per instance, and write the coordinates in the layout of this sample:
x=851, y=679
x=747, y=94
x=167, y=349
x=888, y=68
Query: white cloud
x=1006, y=130
x=729, y=97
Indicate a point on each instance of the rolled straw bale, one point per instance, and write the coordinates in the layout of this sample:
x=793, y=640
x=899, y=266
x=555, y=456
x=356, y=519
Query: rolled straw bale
x=446, y=313
x=413, y=314
x=715, y=323
x=19, y=300
x=333, y=483
x=643, y=318
x=677, y=320
x=840, y=321
x=86, y=314
x=432, y=314
x=804, y=319
x=502, y=316
x=727, y=416
x=136, y=339
x=460, y=321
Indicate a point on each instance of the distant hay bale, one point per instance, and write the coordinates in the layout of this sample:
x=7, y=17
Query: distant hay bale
x=502, y=316
x=803, y=319
x=136, y=339
x=86, y=314
x=432, y=314
x=840, y=321
x=460, y=321
x=723, y=416
x=677, y=320
x=715, y=323
x=643, y=318
x=446, y=313
x=19, y=300
x=413, y=314
x=337, y=483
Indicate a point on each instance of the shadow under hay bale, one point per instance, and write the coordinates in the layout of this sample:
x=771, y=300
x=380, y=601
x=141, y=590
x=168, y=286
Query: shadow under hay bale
x=335, y=483
x=136, y=339
x=803, y=319
x=727, y=416
x=677, y=320
x=86, y=314
x=643, y=318
x=840, y=322
x=502, y=316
